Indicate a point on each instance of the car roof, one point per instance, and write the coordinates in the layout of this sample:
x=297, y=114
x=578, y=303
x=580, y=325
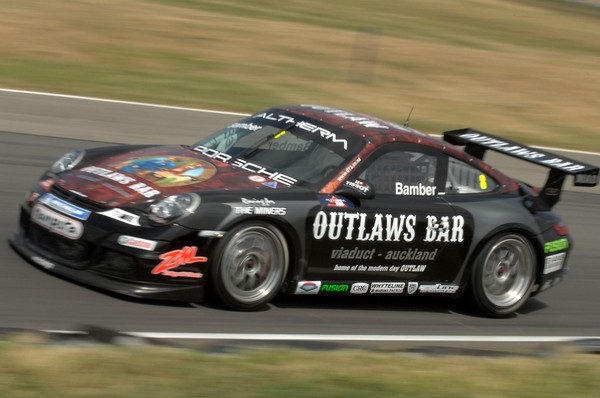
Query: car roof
x=380, y=132
x=369, y=128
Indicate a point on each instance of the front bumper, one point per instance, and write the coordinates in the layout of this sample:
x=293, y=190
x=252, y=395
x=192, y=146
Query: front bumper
x=96, y=259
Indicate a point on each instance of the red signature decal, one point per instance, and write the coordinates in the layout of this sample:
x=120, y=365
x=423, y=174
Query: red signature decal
x=176, y=258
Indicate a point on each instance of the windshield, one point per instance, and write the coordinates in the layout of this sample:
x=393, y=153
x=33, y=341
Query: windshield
x=288, y=147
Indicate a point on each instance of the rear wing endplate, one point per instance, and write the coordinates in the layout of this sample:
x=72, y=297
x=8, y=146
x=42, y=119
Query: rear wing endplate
x=477, y=143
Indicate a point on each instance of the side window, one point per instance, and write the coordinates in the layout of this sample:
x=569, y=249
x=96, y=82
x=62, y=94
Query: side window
x=408, y=173
x=463, y=178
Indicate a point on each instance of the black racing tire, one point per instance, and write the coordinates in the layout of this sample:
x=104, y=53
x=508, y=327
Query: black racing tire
x=503, y=276
x=252, y=263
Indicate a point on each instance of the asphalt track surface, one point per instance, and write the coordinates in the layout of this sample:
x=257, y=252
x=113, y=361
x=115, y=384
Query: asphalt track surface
x=35, y=130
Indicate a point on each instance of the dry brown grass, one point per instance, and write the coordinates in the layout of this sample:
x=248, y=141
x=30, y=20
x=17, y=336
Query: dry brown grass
x=515, y=68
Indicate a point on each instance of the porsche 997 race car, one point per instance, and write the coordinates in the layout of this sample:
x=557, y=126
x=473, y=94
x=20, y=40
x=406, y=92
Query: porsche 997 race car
x=303, y=200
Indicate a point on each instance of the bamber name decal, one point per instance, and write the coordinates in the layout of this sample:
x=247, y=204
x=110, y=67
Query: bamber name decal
x=414, y=190
x=176, y=258
x=386, y=227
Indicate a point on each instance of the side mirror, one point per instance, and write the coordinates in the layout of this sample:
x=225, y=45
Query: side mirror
x=356, y=189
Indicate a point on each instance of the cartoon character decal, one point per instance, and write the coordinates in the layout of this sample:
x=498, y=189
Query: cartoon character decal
x=168, y=171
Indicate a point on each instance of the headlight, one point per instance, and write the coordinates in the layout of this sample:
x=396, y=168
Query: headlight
x=174, y=207
x=68, y=161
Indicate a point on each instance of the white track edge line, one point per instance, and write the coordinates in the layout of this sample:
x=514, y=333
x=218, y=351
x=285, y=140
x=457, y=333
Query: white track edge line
x=335, y=337
x=8, y=90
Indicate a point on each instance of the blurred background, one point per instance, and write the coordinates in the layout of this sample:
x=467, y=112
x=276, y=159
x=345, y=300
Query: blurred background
x=523, y=69
x=528, y=69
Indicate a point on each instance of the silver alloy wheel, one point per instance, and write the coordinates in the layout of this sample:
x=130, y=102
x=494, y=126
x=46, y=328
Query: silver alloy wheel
x=253, y=264
x=508, y=271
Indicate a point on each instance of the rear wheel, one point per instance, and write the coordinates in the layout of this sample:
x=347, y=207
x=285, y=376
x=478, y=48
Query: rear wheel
x=503, y=275
x=252, y=264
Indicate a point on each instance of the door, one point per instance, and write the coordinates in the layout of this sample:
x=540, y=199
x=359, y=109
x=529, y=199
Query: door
x=406, y=232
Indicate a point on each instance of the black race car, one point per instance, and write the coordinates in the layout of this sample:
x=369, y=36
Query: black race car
x=304, y=200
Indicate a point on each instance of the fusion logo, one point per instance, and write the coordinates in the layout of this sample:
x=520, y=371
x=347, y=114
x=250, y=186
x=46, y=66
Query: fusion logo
x=334, y=288
x=308, y=287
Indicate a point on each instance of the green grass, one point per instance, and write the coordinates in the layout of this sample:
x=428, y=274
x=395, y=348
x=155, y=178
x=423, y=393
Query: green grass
x=31, y=370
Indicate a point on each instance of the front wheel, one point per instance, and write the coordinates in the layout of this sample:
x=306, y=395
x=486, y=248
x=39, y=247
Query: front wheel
x=251, y=266
x=503, y=275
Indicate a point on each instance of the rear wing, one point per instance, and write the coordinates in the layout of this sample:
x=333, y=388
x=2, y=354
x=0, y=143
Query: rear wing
x=477, y=143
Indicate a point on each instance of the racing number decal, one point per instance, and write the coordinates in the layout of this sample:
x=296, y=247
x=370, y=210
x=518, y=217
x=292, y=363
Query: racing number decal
x=483, y=182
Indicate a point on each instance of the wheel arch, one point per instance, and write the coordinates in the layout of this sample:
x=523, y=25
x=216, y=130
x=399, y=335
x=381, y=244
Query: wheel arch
x=293, y=240
x=519, y=229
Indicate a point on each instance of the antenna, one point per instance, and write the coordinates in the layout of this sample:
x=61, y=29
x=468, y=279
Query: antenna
x=408, y=117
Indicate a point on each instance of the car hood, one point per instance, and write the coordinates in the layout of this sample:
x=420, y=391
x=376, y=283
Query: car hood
x=147, y=175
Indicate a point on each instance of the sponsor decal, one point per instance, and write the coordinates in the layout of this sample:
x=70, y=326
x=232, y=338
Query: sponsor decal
x=366, y=268
x=554, y=262
x=56, y=222
x=298, y=146
x=257, y=178
x=358, y=185
x=412, y=287
x=306, y=126
x=389, y=228
x=137, y=243
x=258, y=202
x=168, y=171
x=270, y=184
x=43, y=262
x=245, y=126
x=556, y=245
x=359, y=288
x=335, y=201
x=411, y=254
x=386, y=288
x=415, y=190
x=308, y=287
x=438, y=288
x=368, y=254
x=349, y=168
x=443, y=231
x=259, y=206
x=413, y=268
x=243, y=210
x=177, y=258
x=64, y=207
x=271, y=211
x=245, y=165
x=336, y=288
x=123, y=216
x=526, y=153
x=352, y=254
x=587, y=179
x=46, y=184
x=130, y=182
x=353, y=117
x=381, y=268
